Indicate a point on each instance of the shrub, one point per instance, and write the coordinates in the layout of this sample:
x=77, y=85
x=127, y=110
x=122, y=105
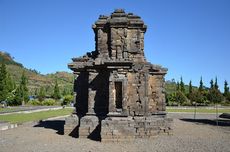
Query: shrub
x=48, y=102
x=215, y=96
x=198, y=98
x=67, y=99
x=181, y=99
x=171, y=99
x=35, y=103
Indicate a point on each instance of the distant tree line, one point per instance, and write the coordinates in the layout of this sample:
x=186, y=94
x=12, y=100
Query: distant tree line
x=201, y=96
x=14, y=95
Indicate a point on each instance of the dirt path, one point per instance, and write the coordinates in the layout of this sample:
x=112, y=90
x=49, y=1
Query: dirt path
x=188, y=136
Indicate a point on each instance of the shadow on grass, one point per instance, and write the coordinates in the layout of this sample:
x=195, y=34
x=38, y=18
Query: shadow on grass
x=57, y=125
x=221, y=122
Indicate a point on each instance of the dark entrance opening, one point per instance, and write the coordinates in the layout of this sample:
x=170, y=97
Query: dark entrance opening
x=118, y=92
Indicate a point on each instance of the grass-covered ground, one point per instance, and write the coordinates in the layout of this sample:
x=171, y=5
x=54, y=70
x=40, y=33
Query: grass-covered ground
x=199, y=110
x=36, y=116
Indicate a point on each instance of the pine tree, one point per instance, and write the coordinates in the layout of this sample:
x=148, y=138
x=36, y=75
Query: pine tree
x=24, y=89
x=190, y=87
x=48, y=90
x=64, y=93
x=226, y=88
x=3, y=85
x=36, y=92
x=10, y=83
x=18, y=97
x=41, y=94
x=211, y=84
x=56, y=94
x=182, y=88
x=10, y=87
x=216, y=84
x=214, y=94
x=201, y=87
x=177, y=86
x=22, y=92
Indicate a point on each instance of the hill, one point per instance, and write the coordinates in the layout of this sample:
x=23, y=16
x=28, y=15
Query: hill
x=6, y=57
x=35, y=79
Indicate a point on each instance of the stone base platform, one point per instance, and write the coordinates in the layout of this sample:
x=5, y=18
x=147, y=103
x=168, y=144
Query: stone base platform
x=122, y=129
x=118, y=128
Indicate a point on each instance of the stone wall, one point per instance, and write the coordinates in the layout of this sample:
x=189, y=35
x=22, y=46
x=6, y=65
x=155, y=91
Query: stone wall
x=127, y=129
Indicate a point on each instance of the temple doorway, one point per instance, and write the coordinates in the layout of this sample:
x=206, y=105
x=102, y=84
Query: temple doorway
x=118, y=95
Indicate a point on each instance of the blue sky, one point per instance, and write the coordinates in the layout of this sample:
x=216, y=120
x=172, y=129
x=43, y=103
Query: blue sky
x=189, y=37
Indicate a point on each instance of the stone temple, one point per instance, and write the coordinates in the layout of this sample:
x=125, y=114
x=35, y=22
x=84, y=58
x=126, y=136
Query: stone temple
x=118, y=94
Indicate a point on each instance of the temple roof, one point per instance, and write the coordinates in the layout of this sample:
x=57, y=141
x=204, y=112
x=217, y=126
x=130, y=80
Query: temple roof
x=120, y=19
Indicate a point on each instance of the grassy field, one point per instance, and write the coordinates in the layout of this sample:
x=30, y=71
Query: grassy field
x=199, y=110
x=25, y=117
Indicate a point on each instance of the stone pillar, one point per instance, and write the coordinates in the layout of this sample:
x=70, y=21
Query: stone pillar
x=76, y=74
x=146, y=104
x=91, y=94
x=125, y=95
x=112, y=106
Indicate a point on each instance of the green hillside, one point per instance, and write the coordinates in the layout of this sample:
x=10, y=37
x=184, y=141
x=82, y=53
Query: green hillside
x=35, y=79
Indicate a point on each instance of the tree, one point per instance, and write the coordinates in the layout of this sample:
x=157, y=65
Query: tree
x=36, y=92
x=22, y=92
x=56, y=94
x=18, y=97
x=211, y=84
x=226, y=88
x=177, y=86
x=197, y=97
x=41, y=94
x=3, y=84
x=24, y=89
x=11, y=88
x=182, y=88
x=181, y=99
x=65, y=92
x=10, y=83
x=216, y=84
x=190, y=90
x=48, y=90
x=216, y=97
x=201, y=87
x=190, y=87
x=171, y=99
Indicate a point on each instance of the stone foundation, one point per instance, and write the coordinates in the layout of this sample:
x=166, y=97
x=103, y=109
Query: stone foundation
x=71, y=123
x=122, y=129
x=119, y=128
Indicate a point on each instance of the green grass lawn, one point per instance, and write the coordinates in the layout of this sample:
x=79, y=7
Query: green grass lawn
x=25, y=117
x=199, y=110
